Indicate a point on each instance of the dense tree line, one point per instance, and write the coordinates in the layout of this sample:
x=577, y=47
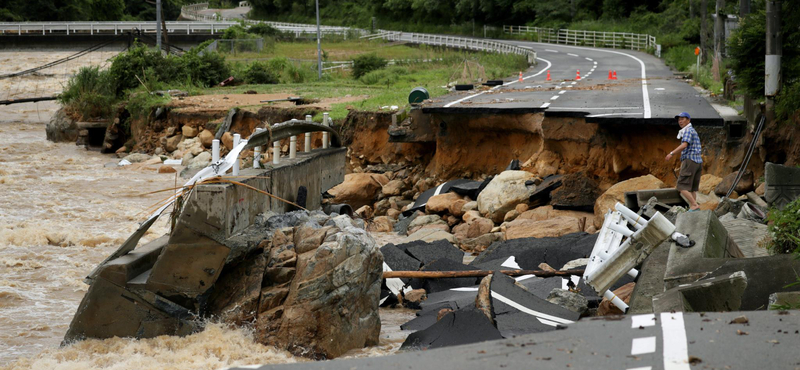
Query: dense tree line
x=85, y=10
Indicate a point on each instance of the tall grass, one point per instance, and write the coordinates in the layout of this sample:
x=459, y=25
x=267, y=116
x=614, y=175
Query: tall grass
x=90, y=93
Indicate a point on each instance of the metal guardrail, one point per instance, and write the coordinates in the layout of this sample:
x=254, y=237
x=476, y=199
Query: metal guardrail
x=459, y=43
x=44, y=28
x=616, y=40
x=193, y=12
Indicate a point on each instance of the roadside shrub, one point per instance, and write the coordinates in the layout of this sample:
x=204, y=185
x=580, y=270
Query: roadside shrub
x=681, y=57
x=259, y=73
x=89, y=93
x=205, y=69
x=366, y=63
x=783, y=228
x=788, y=101
x=127, y=66
x=264, y=29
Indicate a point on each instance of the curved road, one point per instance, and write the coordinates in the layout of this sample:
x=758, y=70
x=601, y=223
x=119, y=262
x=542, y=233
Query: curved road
x=645, y=90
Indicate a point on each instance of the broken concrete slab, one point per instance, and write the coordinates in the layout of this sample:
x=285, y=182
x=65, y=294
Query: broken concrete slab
x=123, y=269
x=783, y=184
x=747, y=235
x=784, y=300
x=541, y=195
x=765, y=275
x=713, y=247
x=456, y=328
x=570, y=300
x=717, y=294
x=650, y=281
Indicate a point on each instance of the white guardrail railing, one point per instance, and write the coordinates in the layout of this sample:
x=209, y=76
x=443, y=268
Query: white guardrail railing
x=44, y=28
x=617, y=40
x=459, y=43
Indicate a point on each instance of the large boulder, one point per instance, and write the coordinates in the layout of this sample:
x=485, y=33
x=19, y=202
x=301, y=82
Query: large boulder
x=546, y=212
x=744, y=186
x=504, y=193
x=554, y=227
x=708, y=183
x=206, y=138
x=441, y=203
x=394, y=187
x=61, y=128
x=577, y=191
x=330, y=305
x=616, y=193
x=358, y=189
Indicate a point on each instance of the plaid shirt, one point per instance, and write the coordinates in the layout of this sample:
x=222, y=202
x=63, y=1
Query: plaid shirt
x=692, y=152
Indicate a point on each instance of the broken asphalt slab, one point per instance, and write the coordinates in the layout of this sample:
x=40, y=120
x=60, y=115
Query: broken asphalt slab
x=768, y=340
x=530, y=252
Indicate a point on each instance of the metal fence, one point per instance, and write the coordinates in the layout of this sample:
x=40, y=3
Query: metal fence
x=459, y=43
x=616, y=40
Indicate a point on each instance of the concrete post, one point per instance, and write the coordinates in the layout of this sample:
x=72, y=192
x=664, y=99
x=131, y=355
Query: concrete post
x=325, y=135
x=293, y=147
x=257, y=153
x=772, y=62
x=307, y=147
x=236, y=139
x=214, y=151
x=276, y=152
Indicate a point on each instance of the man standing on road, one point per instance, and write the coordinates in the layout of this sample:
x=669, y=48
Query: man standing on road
x=691, y=161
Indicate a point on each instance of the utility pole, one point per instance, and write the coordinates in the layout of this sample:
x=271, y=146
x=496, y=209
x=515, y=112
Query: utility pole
x=744, y=8
x=703, y=30
x=158, y=24
x=691, y=9
x=719, y=38
x=319, y=46
x=772, y=61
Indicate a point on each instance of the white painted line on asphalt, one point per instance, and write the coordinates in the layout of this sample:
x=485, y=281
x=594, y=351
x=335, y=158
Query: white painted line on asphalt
x=572, y=55
x=643, y=320
x=660, y=89
x=614, y=114
x=530, y=76
x=448, y=105
x=599, y=108
x=539, y=315
x=575, y=280
x=589, y=59
x=554, y=97
x=545, y=105
x=547, y=322
x=561, y=92
x=574, y=82
x=676, y=351
x=642, y=368
x=563, y=82
x=595, y=63
x=511, y=262
x=644, y=345
x=552, y=51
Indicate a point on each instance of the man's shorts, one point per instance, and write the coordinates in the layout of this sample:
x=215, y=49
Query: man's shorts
x=689, y=177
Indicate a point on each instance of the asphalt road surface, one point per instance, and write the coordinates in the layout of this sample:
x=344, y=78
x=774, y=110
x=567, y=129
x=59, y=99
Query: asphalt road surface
x=668, y=341
x=645, y=90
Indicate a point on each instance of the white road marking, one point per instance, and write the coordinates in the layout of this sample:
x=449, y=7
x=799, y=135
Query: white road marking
x=539, y=315
x=574, y=83
x=561, y=92
x=554, y=97
x=448, y=105
x=572, y=55
x=575, y=280
x=589, y=59
x=614, y=114
x=643, y=320
x=644, y=345
x=676, y=351
x=620, y=108
x=545, y=105
x=642, y=368
x=552, y=51
x=511, y=262
x=660, y=89
x=595, y=63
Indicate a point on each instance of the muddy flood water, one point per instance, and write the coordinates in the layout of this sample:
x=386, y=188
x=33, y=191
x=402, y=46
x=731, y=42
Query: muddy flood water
x=63, y=209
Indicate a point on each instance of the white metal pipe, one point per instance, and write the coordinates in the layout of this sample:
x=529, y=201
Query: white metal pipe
x=276, y=152
x=636, y=220
x=214, y=151
x=257, y=152
x=293, y=147
x=609, y=295
x=236, y=139
x=621, y=229
x=633, y=273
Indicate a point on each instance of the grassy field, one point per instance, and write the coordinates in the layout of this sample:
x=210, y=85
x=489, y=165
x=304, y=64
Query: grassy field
x=431, y=68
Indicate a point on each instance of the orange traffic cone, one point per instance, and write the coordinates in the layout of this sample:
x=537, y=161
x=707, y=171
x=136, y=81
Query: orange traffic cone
x=610, y=76
x=615, y=75
x=578, y=76
x=548, y=75
x=520, y=76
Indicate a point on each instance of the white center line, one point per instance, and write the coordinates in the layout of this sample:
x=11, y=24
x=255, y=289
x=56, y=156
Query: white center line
x=676, y=351
x=589, y=59
x=642, y=368
x=554, y=97
x=614, y=114
x=641, y=346
x=545, y=105
x=552, y=51
x=539, y=315
x=572, y=55
x=574, y=83
x=561, y=92
x=595, y=63
x=448, y=105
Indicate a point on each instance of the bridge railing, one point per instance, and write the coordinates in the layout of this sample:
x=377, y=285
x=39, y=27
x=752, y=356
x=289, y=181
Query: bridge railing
x=616, y=40
x=92, y=28
x=459, y=43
